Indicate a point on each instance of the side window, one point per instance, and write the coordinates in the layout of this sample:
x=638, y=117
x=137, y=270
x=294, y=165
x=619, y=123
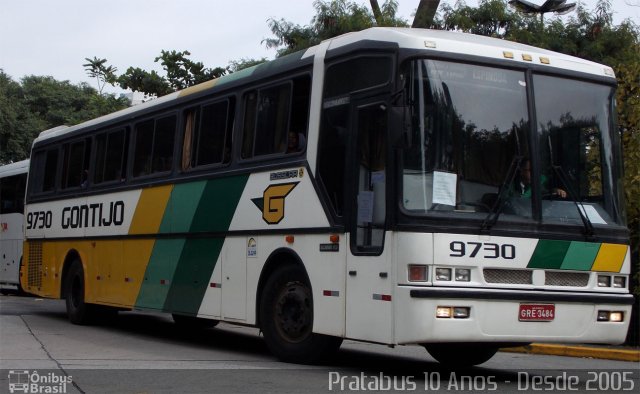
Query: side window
x=332, y=153
x=357, y=74
x=275, y=118
x=154, y=146
x=207, y=138
x=75, y=164
x=43, y=170
x=12, y=193
x=111, y=156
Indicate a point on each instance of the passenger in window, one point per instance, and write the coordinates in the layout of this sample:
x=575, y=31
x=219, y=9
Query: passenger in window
x=84, y=179
x=523, y=182
x=295, y=142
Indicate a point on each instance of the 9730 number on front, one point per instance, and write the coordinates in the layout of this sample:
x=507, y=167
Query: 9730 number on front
x=487, y=250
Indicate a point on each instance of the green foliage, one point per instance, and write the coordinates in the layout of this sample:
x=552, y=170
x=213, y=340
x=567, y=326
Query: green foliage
x=39, y=103
x=96, y=68
x=237, y=65
x=332, y=18
x=628, y=98
x=181, y=72
x=140, y=80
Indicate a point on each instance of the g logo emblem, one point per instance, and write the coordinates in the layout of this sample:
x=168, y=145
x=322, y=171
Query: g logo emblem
x=272, y=202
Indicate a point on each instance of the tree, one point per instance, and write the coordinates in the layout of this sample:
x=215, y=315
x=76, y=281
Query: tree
x=425, y=13
x=181, y=72
x=39, y=103
x=332, y=19
x=96, y=68
x=237, y=65
x=18, y=126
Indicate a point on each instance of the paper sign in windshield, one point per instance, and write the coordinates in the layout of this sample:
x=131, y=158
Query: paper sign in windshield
x=444, y=188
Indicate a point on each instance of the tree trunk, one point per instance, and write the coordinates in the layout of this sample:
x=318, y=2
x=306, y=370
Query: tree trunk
x=425, y=13
x=376, y=12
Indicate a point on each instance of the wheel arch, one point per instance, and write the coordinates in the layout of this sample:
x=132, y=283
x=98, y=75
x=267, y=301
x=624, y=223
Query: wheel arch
x=278, y=258
x=72, y=255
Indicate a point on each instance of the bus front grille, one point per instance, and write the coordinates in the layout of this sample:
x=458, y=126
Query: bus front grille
x=569, y=279
x=508, y=276
x=34, y=266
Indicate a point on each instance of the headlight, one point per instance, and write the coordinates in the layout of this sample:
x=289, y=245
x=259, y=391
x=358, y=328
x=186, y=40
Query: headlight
x=604, y=281
x=443, y=274
x=463, y=274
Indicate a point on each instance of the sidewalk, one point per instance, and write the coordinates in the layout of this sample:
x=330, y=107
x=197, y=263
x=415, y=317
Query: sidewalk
x=590, y=351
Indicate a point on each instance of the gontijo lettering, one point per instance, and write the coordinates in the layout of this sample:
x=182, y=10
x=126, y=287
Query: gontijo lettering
x=93, y=215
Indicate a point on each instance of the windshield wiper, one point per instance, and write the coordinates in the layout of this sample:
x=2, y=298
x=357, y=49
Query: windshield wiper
x=498, y=205
x=588, y=226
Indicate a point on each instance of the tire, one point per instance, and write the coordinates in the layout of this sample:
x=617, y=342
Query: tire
x=461, y=354
x=78, y=311
x=192, y=322
x=286, y=319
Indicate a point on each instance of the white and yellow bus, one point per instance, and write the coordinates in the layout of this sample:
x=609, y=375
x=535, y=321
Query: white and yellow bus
x=13, y=182
x=372, y=187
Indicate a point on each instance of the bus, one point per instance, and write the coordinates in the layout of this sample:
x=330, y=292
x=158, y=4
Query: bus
x=13, y=182
x=365, y=188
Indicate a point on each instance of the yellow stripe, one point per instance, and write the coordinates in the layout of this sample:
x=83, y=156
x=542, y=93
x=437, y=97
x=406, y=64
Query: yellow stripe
x=150, y=210
x=198, y=88
x=610, y=258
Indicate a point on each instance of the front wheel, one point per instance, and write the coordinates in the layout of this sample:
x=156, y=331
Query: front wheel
x=461, y=354
x=286, y=317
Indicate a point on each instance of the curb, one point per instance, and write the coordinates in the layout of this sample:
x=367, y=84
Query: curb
x=577, y=351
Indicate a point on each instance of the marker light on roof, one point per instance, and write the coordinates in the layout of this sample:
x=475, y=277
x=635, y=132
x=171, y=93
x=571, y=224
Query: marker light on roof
x=429, y=44
x=544, y=60
x=526, y=57
x=507, y=54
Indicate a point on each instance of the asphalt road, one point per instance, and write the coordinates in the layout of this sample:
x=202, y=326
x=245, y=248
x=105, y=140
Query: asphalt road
x=141, y=352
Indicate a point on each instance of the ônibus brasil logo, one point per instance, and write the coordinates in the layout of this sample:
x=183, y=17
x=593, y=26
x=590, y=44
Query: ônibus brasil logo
x=21, y=381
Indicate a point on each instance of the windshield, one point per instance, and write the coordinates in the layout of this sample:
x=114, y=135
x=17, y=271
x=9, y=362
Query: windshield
x=468, y=123
x=467, y=152
x=576, y=144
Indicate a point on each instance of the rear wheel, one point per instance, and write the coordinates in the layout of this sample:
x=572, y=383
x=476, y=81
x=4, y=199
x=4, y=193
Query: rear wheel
x=461, y=354
x=286, y=317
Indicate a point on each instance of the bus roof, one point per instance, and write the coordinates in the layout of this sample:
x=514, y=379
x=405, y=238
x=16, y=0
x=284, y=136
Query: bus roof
x=19, y=167
x=474, y=45
x=408, y=38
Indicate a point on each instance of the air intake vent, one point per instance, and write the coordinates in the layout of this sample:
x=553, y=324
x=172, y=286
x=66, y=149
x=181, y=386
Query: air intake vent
x=506, y=276
x=569, y=279
x=34, y=266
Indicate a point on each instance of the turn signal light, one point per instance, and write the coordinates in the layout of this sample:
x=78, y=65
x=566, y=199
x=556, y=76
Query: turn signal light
x=417, y=273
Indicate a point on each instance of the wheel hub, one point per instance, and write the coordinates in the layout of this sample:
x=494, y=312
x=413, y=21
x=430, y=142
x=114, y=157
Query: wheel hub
x=294, y=313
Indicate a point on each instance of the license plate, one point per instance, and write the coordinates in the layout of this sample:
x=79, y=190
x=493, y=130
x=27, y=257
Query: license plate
x=537, y=312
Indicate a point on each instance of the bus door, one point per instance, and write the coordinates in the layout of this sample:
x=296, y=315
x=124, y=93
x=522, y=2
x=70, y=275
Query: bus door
x=369, y=282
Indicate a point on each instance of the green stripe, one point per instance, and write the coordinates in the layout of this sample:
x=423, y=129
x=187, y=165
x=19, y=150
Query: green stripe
x=218, y=204
x=162, y=266
x=580, y=256
x=192, y=275
x=181, y=208
x=187, y=264
x=549, y=254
